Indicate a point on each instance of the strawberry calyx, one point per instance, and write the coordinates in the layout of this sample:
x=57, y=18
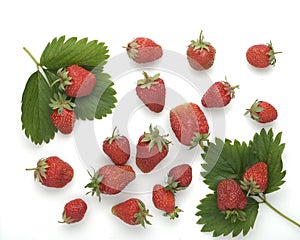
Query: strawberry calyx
x=200, y=43
x=115, y=136
x=142, y=214
x=254, y=110
x=60, y=102
x=173, y=214
x=64, y=79
x=132, y=49
x=148, y=81
x=235, y=214
x=272, y=53
x=229, y=89
x=173, y=186
x=199, y=139
x=250, y=186
x=40, y=170
x=154, y=138
x=95, y=180
x=66, y=219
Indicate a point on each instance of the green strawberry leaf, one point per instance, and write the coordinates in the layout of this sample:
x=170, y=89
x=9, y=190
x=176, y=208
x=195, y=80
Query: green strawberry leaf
x=35, y=108
x=100, y=102
x=269, y=150
x=213, y=219
x=62, y=53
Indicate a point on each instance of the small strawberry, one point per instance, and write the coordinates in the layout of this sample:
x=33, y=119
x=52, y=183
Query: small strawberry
x=262, y=112
x=53, y=172
x=151, y=149
x=179, y=177
x=189, y=124
x=164, y=200
x=76, y=81
x=132, y=211
x=255, y=178
x=63, y=116
x=261, y=55
x=143, y=50
x=152, y=92
x=200, y=54
x=231, y=199
x=74, y=211
x=218, y=95
x=110, y=179
x=117, y=147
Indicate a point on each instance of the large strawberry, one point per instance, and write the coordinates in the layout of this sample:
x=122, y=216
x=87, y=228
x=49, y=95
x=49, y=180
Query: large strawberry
x=74, y=211
x=117, y=147
x=152, y=91
x=231, y=199
x=143, y=50
x=261, y=55
x=255, y=178
x=189, y=124
x=179, y=177
x=151, y=149
x=110, y=179
x=63, y=116
x=219, y=94
x=262, y=111
x=164, y=200
x=53, y=172
x=200, y=54
x=76, y=81
x=132, y=211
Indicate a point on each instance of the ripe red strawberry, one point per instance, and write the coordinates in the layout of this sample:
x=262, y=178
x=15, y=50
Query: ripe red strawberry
x=76, y=81
x=255, y=178
x=74, y=211
x=189, y=124
x=110, y=179
x=144, y=50
x=231, y=199
x=261, y=55
x=218, y=95
x=151, y=149
x=132, y=211
x=262, y=112
x=179, y=177
x=164, y=200
x=201, y=54
x=117, y=147
x=63, y=116
x=53, y=172
x=152, y=91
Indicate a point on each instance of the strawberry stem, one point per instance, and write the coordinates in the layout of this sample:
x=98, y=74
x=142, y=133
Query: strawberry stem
x=31, y=56
x=264, y=200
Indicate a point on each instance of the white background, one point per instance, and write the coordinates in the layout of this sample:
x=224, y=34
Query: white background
x=31, y=211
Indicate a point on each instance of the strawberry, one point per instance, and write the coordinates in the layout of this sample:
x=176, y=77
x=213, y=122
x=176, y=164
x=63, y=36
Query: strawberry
x=179, y=177
x=76, y=81
x=117, y=147
x=200, y=54
x=189, y=124
x=261, y=55
x=231, y=199
x=262, y=112
x=151, y=149
x=53, y=172
x=164, y=200
x=74, y=211
x=63, y=116
x=255, y=178
x=218, y=95
x=110, y=179
x=152, y=92
x=143, y=50
x=132, y=211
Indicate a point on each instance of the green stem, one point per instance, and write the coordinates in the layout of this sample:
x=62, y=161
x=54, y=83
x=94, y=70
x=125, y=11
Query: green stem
x=31, y=56
x=277, y=211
